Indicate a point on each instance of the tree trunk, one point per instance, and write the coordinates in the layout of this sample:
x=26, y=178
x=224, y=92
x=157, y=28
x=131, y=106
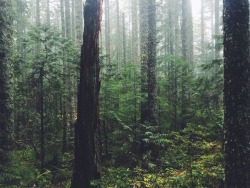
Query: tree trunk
x=202, y=33
x=134, y=8
x=124, y=39
x=118, y=48
x=86, y=163
x=107, y=32
x=48, y=12
x=151, y=72
x=5, y=46
x=187, y=54
x=73, y=28
x=217, y=28
x=79, y=20
x=62, y=18
x=144, y=57
x=67, y=19
x=236, y=93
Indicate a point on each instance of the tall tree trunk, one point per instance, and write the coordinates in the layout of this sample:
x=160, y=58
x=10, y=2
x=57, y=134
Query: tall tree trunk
x=79, y=20
x=107, y=31
x=62, y=18
x=217, y=28
x=48, y=12
x=212, y=29
x=73, y=20
x=187, y=54
x=236, y=93
x=187, y=31
x=42, y=128
x=151, y=72
x=134, y=8
x=202, y=32
x=118, y=48
x=67, y=19
x=143, y=8
x=86, y=148
x=38, y=23
x=5, y=46
x=124, y=39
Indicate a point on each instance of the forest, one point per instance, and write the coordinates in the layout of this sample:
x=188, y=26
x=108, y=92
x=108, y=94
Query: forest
x=124, y=93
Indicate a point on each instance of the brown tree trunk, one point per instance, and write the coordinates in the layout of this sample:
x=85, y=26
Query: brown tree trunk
x=86, y=148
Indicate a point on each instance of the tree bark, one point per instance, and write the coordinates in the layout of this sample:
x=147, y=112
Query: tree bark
x=107, y=32
x=143, y=8
x=5, y=49
x=48, y=12
x=151, y=72
x=217, y=28
x=86, y=163
x=236, y=93
x=79, y=20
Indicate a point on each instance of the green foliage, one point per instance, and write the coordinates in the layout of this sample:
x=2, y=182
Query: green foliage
x=24, y=171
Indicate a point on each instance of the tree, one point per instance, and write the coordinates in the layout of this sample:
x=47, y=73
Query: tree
x=86, y=147
x=143, y=55
x=79, y=20
x=236, y=93
x=187, y=54
x=5, y=45
x=151, y=70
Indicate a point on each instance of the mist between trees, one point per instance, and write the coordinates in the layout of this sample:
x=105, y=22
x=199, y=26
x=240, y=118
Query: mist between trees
x=124, y=93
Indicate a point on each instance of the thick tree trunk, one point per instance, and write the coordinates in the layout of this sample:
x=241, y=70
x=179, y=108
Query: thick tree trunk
x=5, y=45
x=86, y=163
x=143, y=8
x=151, y=72
x=236, y=93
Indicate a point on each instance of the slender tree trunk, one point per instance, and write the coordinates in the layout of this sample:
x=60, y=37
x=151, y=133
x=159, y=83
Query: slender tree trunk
x=62, y=18
x=73, y=20
x=236, y=93
x=202, y=32
x=48, y=12
x=134, y=8
x=42, y=128
x=79, y=20
x=38, y=23
x=118, y=49
x=107, y=31
x=86, y=163
x=124, y=39
x=217, y=28
x=67, y=19
x=176, y=53
x=212, y=30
